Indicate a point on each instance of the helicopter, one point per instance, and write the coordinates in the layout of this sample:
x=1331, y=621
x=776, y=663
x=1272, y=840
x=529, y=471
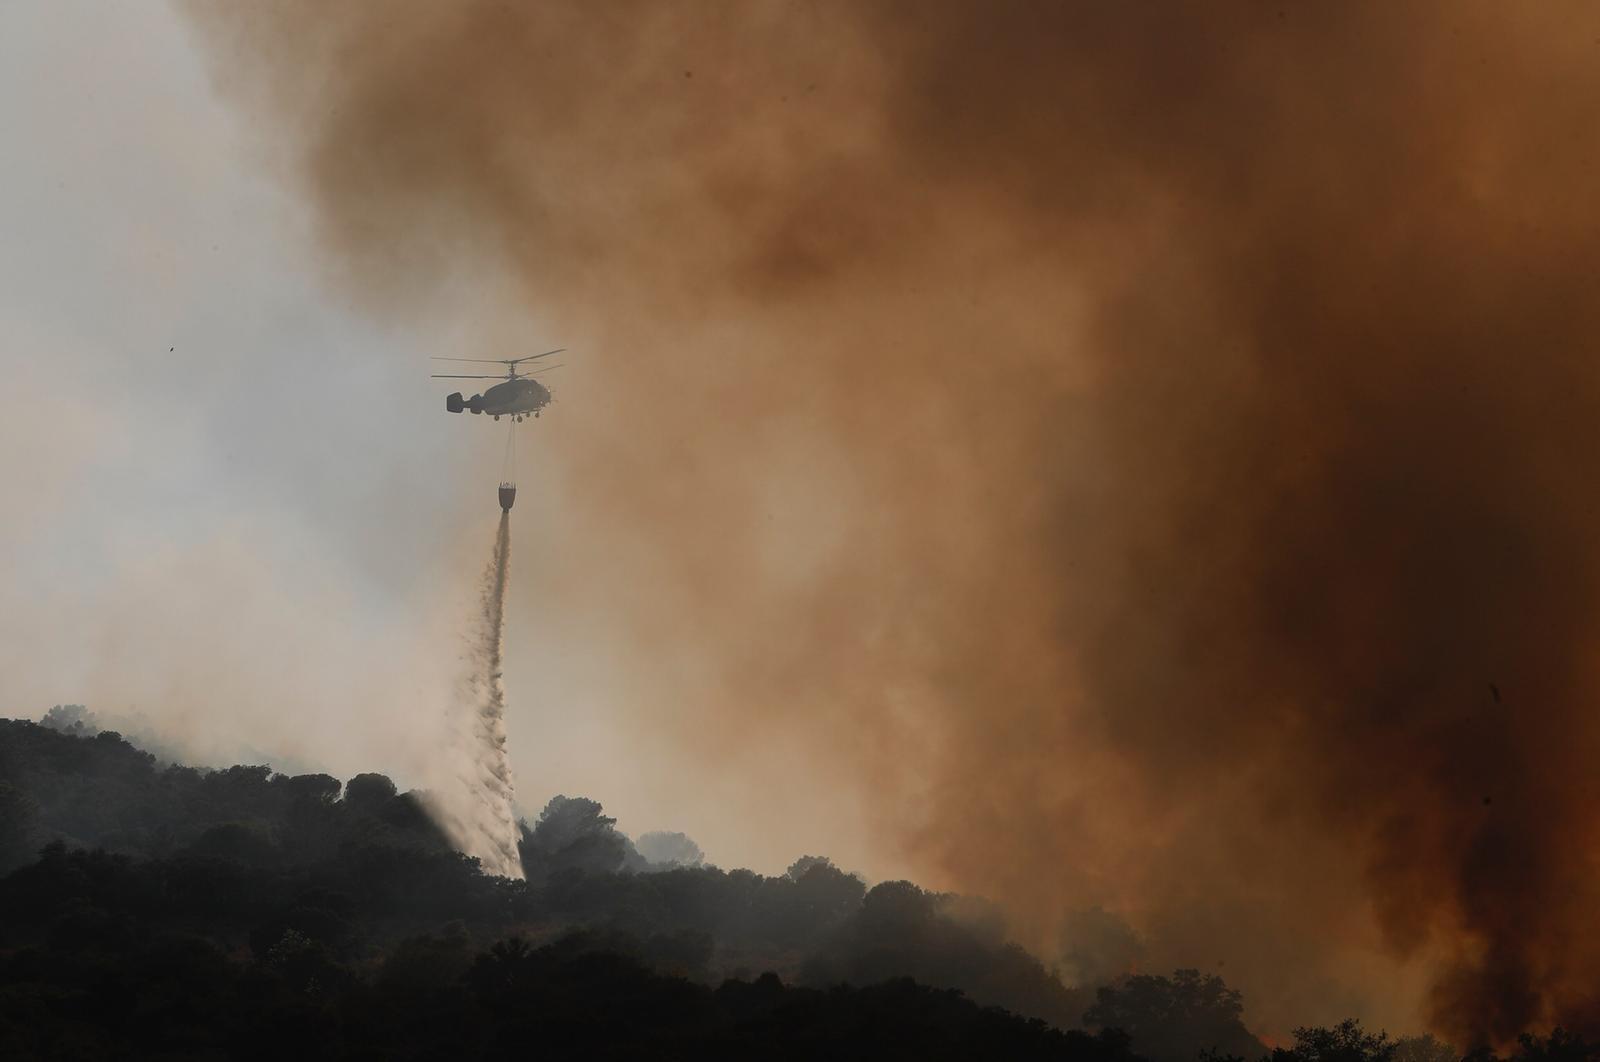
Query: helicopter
x=518, y=396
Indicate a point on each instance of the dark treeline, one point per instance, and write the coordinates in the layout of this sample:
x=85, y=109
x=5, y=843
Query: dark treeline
x=160, y=910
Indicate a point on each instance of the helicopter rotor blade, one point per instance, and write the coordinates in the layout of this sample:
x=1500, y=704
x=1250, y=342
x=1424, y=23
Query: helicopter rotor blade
x=500, y=361
x=460, y=376
x=530, y=357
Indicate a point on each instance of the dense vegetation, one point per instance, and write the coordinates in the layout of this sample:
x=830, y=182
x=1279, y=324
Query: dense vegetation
x=160, y=910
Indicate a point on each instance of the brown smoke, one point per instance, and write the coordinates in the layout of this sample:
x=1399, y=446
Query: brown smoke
x=1148, y=447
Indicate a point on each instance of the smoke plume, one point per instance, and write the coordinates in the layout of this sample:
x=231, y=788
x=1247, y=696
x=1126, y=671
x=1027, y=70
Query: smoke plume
x=1146, y=450
x=479, y=813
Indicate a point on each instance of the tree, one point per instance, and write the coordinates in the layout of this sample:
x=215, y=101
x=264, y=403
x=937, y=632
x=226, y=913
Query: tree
x=368, y=794
x=800, y=867
x=310, y=788
x=72, y=719
x=900, y=930
x=1559, y=1046
x=664, y=849
x=897, y=907
x=19, y=826
x=1423, y=1048
x=825, y=894
x=573, y=833
x=1171, y=1019
x=1345, y=1042
x=237, y=842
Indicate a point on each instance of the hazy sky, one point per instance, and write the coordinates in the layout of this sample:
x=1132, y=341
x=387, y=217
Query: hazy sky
x=240, y=510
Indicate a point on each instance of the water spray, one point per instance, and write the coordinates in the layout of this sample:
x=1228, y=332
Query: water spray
x=483, y=823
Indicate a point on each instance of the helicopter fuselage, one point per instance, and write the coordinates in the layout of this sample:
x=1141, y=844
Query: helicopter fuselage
x=512, y=398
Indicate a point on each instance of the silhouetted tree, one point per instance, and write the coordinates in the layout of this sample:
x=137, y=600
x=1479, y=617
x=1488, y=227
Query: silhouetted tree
x=823, y=895
x=239, y=842
x=1424, y=1048
x=1170, y=1019
x=72, y=719
x=182, y=913
x=368, y=794
x=309, y=788
x=573, y=833
x=663, y=849
x=901, y=930
x=19, y=826
x=1345, y=1042
x=1559, y=1046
